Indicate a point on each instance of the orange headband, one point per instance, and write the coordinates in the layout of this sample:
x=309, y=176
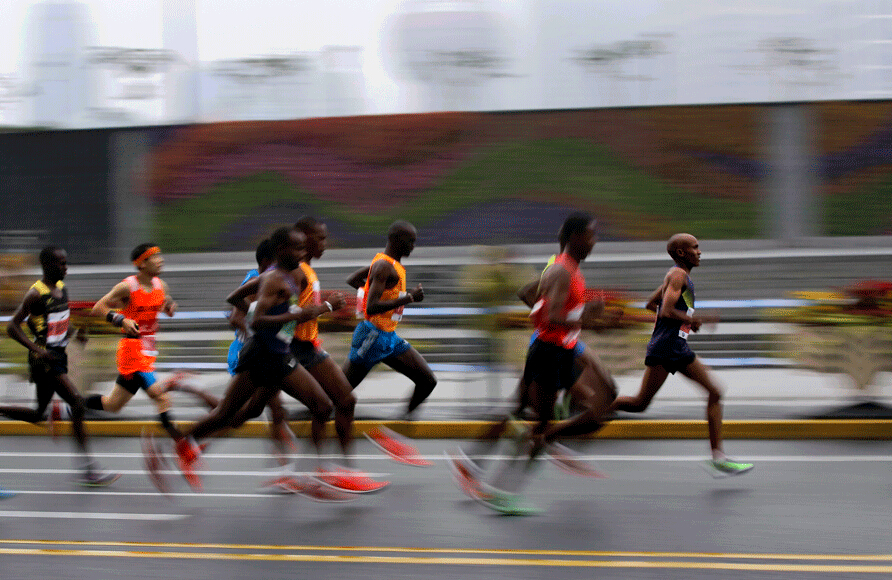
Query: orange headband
x=146, y=255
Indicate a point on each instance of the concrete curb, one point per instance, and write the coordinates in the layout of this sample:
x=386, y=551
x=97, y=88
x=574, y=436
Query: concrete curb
x=621, y=429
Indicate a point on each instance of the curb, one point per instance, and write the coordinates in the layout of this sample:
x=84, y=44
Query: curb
x=620, y=429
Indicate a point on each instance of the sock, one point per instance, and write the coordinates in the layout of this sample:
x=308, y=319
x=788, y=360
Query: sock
x=718, y=455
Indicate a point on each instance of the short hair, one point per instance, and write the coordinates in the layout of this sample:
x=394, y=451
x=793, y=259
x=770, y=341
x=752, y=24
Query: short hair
x=264, y=252
x=576, y=223
x=48, y=255
x=140, y=250
x=280, y=238
x=307, y=223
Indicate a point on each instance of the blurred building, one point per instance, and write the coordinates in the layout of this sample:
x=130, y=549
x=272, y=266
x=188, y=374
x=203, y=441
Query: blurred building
x=180, y=35
x=343, y=81
x=56, y=40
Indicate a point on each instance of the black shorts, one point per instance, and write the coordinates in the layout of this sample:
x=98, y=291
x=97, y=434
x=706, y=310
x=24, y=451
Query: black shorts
x=265, y=367
x=307, y=353
x=43, y=369
x=550, y=366
x=672, y=364
x=136, y=381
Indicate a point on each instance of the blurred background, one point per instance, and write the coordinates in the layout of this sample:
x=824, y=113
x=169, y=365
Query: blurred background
x=762, y=127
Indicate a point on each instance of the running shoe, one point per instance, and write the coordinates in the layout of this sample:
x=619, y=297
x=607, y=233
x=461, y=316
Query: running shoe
x=283, y=484
x=509, y=504
x=318, y=491
x=465, y=473
x=98, y=478
x=188, y=454
x=725, y=467
x=153, y=461
x=396, y=446
x=6, y=494
x=54, y=418
x=567, y=460
x=349, y=480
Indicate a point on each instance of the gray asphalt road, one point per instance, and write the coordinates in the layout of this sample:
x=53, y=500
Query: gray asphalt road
x=817, y=509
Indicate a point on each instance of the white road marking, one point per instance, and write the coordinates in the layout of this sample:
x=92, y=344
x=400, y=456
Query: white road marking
x=90, y=516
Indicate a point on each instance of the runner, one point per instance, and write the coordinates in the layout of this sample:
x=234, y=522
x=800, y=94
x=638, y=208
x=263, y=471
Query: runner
x=45, y=310
x=380, y=301
x=668, y=351
x=140, y=298
x=265, y=363
x=559, y=315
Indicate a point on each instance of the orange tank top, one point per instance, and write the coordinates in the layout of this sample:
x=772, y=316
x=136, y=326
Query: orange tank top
x=138, y=354
x=310, y=296
x=559, y=334
x=385, y=321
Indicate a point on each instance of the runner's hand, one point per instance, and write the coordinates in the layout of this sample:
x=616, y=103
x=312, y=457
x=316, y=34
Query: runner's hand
x=131, y=328
x=417, y=294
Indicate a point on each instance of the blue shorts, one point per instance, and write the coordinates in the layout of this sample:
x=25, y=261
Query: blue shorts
x=371, y=345
x=232, y=357
x=138, y=380
x=577, y=350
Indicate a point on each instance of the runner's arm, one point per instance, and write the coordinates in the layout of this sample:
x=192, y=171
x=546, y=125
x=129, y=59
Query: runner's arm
x=115, y=299
x=23, y=312
x=357, y=279
x=529, y=293
x=170, y=307
x=380, y=272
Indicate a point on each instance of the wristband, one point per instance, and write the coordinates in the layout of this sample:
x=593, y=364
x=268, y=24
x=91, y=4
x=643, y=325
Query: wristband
x=115, y=318
x=327, y=303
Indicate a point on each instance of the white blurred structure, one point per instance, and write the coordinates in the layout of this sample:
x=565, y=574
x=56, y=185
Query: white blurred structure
x=180, y=35
x=398, y=56
x=55, y=49
x=449, y=49
x=342, y=81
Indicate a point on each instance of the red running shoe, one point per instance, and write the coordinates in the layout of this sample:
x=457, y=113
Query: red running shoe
x=396, y=446
x=349, y=480
x=283, y=484
x=54, y=418
x=465, y=474
x=188, y=454
x=153, y=461
x=318, y=491
x=569, y=461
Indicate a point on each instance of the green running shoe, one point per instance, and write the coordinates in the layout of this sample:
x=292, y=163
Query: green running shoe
x=509, y=504
x=725, y=467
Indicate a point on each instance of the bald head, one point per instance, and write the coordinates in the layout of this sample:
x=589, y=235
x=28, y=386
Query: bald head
x=683, y=247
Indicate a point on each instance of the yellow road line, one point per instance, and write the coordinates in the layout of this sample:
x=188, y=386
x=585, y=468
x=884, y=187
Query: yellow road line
x=482, y=551
x=790, y=429
x=453, y=561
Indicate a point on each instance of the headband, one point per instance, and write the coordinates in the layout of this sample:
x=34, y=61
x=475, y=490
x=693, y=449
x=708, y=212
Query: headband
x=146, y=255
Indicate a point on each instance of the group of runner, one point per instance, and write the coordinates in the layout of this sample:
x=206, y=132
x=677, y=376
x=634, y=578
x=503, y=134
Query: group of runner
x=277, y=349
